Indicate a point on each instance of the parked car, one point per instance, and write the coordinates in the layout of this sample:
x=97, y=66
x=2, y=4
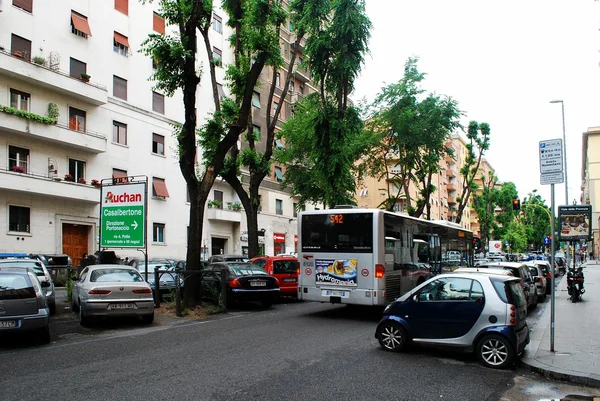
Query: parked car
x=245, y=283
x=23, y=304
x=521, y=271
x=539, y=269
x=228, y=258
x=283, y=267
x=42, y=274
x=167, y=280
x=484, y=313
x=112, y=290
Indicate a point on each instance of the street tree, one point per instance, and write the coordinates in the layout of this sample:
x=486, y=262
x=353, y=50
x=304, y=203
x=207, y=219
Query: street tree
x=516, y=236
x=326, y=136
x=484, y=204
x=255, y=44
x=506, y=215
x=478, y=137
x=536, y=218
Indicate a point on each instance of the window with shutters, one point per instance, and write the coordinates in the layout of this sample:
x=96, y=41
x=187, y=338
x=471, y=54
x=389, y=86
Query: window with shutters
x=121, y=44
x=119, y=133
x=80, y=25
x=217, y=23
x=158, y=144
x=158, y=23
x=122, y=6
x=25, y=5
x=76, y=119
x=77, y=68
x=158, y=233
x=19, y=219
x=217, y=57
x=77, y=169
x=19, y=100
x=158, y=103
x=159, y=188
x=20, y=47
x=119, y=87
x=120, y=176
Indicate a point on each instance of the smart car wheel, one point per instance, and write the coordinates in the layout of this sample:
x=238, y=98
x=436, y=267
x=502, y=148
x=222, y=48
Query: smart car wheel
x=392, y=336
x=495, y=351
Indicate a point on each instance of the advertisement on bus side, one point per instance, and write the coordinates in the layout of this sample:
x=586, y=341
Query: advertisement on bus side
x=336, y=272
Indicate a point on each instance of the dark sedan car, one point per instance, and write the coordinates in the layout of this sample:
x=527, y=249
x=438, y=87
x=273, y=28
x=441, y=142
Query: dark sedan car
x=245, y=283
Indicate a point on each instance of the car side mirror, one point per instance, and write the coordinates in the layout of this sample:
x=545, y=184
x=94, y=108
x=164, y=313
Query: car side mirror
x=415, y=298
x=45, y=284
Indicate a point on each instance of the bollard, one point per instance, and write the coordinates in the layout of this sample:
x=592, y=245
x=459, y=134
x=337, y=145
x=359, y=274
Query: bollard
x=224, y=290
x=156, y=289
x=177, y=294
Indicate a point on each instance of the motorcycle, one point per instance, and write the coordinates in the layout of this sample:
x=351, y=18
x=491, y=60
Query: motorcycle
x=575, y=284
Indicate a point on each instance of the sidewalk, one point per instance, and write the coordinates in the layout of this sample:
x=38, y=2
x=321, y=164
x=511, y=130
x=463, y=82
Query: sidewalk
x=576, y=355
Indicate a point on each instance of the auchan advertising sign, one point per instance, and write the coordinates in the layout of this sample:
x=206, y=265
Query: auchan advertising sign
x=123, y=216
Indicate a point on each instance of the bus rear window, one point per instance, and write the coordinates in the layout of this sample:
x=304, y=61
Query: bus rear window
x=337, y=232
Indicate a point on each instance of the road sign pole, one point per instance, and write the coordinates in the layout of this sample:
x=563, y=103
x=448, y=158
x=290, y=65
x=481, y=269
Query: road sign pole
x=552, y=278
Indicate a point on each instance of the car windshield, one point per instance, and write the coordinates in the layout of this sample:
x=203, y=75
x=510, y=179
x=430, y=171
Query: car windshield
x=235, y=259
x=33, y=265
x=247, y=269
x=285, y=266
x=15, y=286
x=120, y=275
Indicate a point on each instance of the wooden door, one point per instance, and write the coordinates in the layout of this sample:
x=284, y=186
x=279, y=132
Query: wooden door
x=75, y=241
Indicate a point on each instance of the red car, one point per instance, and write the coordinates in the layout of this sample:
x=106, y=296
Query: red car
x=283, y=267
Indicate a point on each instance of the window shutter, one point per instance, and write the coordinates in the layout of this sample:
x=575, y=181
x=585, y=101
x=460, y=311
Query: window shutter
x=80, y=23
x=77, y=68
x=122, y=6
x=20, y=47
x=119, y=87
x=26, y=5
x=158, y=24
x=158, y=102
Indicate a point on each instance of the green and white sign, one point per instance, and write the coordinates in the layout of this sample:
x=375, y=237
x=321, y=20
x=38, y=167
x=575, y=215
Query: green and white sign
x=123, y=215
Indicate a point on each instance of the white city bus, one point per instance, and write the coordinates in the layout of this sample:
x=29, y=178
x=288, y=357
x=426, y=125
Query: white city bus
x=371, y=257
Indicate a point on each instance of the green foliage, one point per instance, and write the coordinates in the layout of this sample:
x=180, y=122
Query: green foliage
x=504, y=199
x=536, y=217
x=485, y=206
x=39, y=60
x=516, y=236
x=27, y=115
x=53, y=111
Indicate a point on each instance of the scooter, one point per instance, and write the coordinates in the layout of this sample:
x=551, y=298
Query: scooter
x=575, y=284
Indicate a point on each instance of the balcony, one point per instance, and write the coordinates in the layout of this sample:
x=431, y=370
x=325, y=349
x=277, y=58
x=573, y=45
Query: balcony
x=451, y=187
x=47, y=187
x=223, y=215
x=450, y=173
x=451, y=201
x=59, y=133
x=51, y=78
x=301, y=75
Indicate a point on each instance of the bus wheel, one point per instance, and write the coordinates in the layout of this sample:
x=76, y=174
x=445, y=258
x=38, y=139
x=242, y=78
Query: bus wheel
x=392, y=336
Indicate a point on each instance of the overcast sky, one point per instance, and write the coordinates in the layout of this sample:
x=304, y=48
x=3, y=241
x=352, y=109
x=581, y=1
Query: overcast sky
x=503, y=61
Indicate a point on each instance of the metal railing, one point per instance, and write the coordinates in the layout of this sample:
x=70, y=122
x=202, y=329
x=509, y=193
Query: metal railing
x=84, y=132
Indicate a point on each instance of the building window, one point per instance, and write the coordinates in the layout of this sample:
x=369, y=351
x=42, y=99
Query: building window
x=122, y=6
x=218, y=195
x=291, y=27
x=119, y=176
x=18, y=158
x=256, y=132
x=158, y=103
x=278, y=174
x=76, y=119
x=78, y=69
x=19, y=100
x=295, y=209
x=301, y=89
x=80, y=25
x=25, y=5
x=278, y=206
x=121, y=44
x=278, y=79
x=119, y=133
x=119, y=87
x=217, y=57
x=158, y=23
x=256, y=99
x=20, y=47
x=275, y=107
x=158, y=144
x=158, y=233
x=19, y=219
x=77, y=169
x=220, y=91
x=217, y=23
x=159, y=188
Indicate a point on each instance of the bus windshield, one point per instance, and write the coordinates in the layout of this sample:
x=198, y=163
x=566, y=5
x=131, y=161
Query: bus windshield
x=337, y=232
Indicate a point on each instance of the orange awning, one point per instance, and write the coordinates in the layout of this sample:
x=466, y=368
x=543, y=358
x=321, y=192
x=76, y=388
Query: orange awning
x=160, y=188
x=80, y=23
x=121, y=39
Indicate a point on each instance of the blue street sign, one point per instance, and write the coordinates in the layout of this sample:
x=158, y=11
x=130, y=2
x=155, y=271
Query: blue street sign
x=546, y=240
x=506, y=242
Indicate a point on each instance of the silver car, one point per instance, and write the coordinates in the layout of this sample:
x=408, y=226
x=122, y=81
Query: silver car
x=112, y=290
x=23, y=306
x=42, y=274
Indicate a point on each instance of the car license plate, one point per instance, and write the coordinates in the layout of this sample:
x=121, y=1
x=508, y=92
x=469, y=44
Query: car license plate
x=335, y=293
x=8, y=324
x=122, y=306
x=258, y=283
x=290, y=280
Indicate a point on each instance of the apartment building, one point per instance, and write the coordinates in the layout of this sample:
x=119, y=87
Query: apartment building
x=79, y=63
x=590, y=179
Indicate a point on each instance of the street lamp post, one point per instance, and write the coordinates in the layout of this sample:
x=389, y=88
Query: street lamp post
x=562, y=105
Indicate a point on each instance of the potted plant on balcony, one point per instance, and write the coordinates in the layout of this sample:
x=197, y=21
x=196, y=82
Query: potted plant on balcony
x=236, y=206
x=69, y=177
x=81, y=181
x=85, y=77
x=18, y=169
x=217, y=204
x=96, y=183
x=39, y=60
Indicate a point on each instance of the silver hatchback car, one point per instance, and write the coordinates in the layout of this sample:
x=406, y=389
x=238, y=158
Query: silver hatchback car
x=42, y=274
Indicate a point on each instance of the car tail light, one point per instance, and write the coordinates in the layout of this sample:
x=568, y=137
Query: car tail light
x=538, y=279
x=513, y=314
x=143, y=291
x=235, y=283
x=96, y=291
x=276, y=281
x=379, y=271
x=298, y=271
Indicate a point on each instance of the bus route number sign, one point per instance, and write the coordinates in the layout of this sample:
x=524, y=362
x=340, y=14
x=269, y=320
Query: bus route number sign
x=336, y=218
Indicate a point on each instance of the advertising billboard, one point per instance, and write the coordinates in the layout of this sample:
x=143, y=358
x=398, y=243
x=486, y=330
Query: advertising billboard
x=575, y=222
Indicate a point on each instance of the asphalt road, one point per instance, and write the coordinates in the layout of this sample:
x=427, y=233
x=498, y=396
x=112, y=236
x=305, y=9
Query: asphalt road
x=295, y=351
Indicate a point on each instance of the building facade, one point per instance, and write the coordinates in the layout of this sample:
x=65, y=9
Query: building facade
x=590, y=179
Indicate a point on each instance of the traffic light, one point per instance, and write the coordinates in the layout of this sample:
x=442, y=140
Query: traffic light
x=516, y=204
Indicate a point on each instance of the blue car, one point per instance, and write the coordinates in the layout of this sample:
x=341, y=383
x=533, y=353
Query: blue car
x=479, y=313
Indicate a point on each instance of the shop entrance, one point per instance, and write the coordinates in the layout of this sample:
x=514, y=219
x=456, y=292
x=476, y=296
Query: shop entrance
x=217, y=246
x=75, y=241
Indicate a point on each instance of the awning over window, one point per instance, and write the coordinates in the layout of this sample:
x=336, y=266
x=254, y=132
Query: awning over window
x=279, y=174
x=160, y=188
x=81, y=23
x=121, y=39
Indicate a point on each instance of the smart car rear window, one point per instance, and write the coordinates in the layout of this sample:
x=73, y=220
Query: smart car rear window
x=16, y=286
